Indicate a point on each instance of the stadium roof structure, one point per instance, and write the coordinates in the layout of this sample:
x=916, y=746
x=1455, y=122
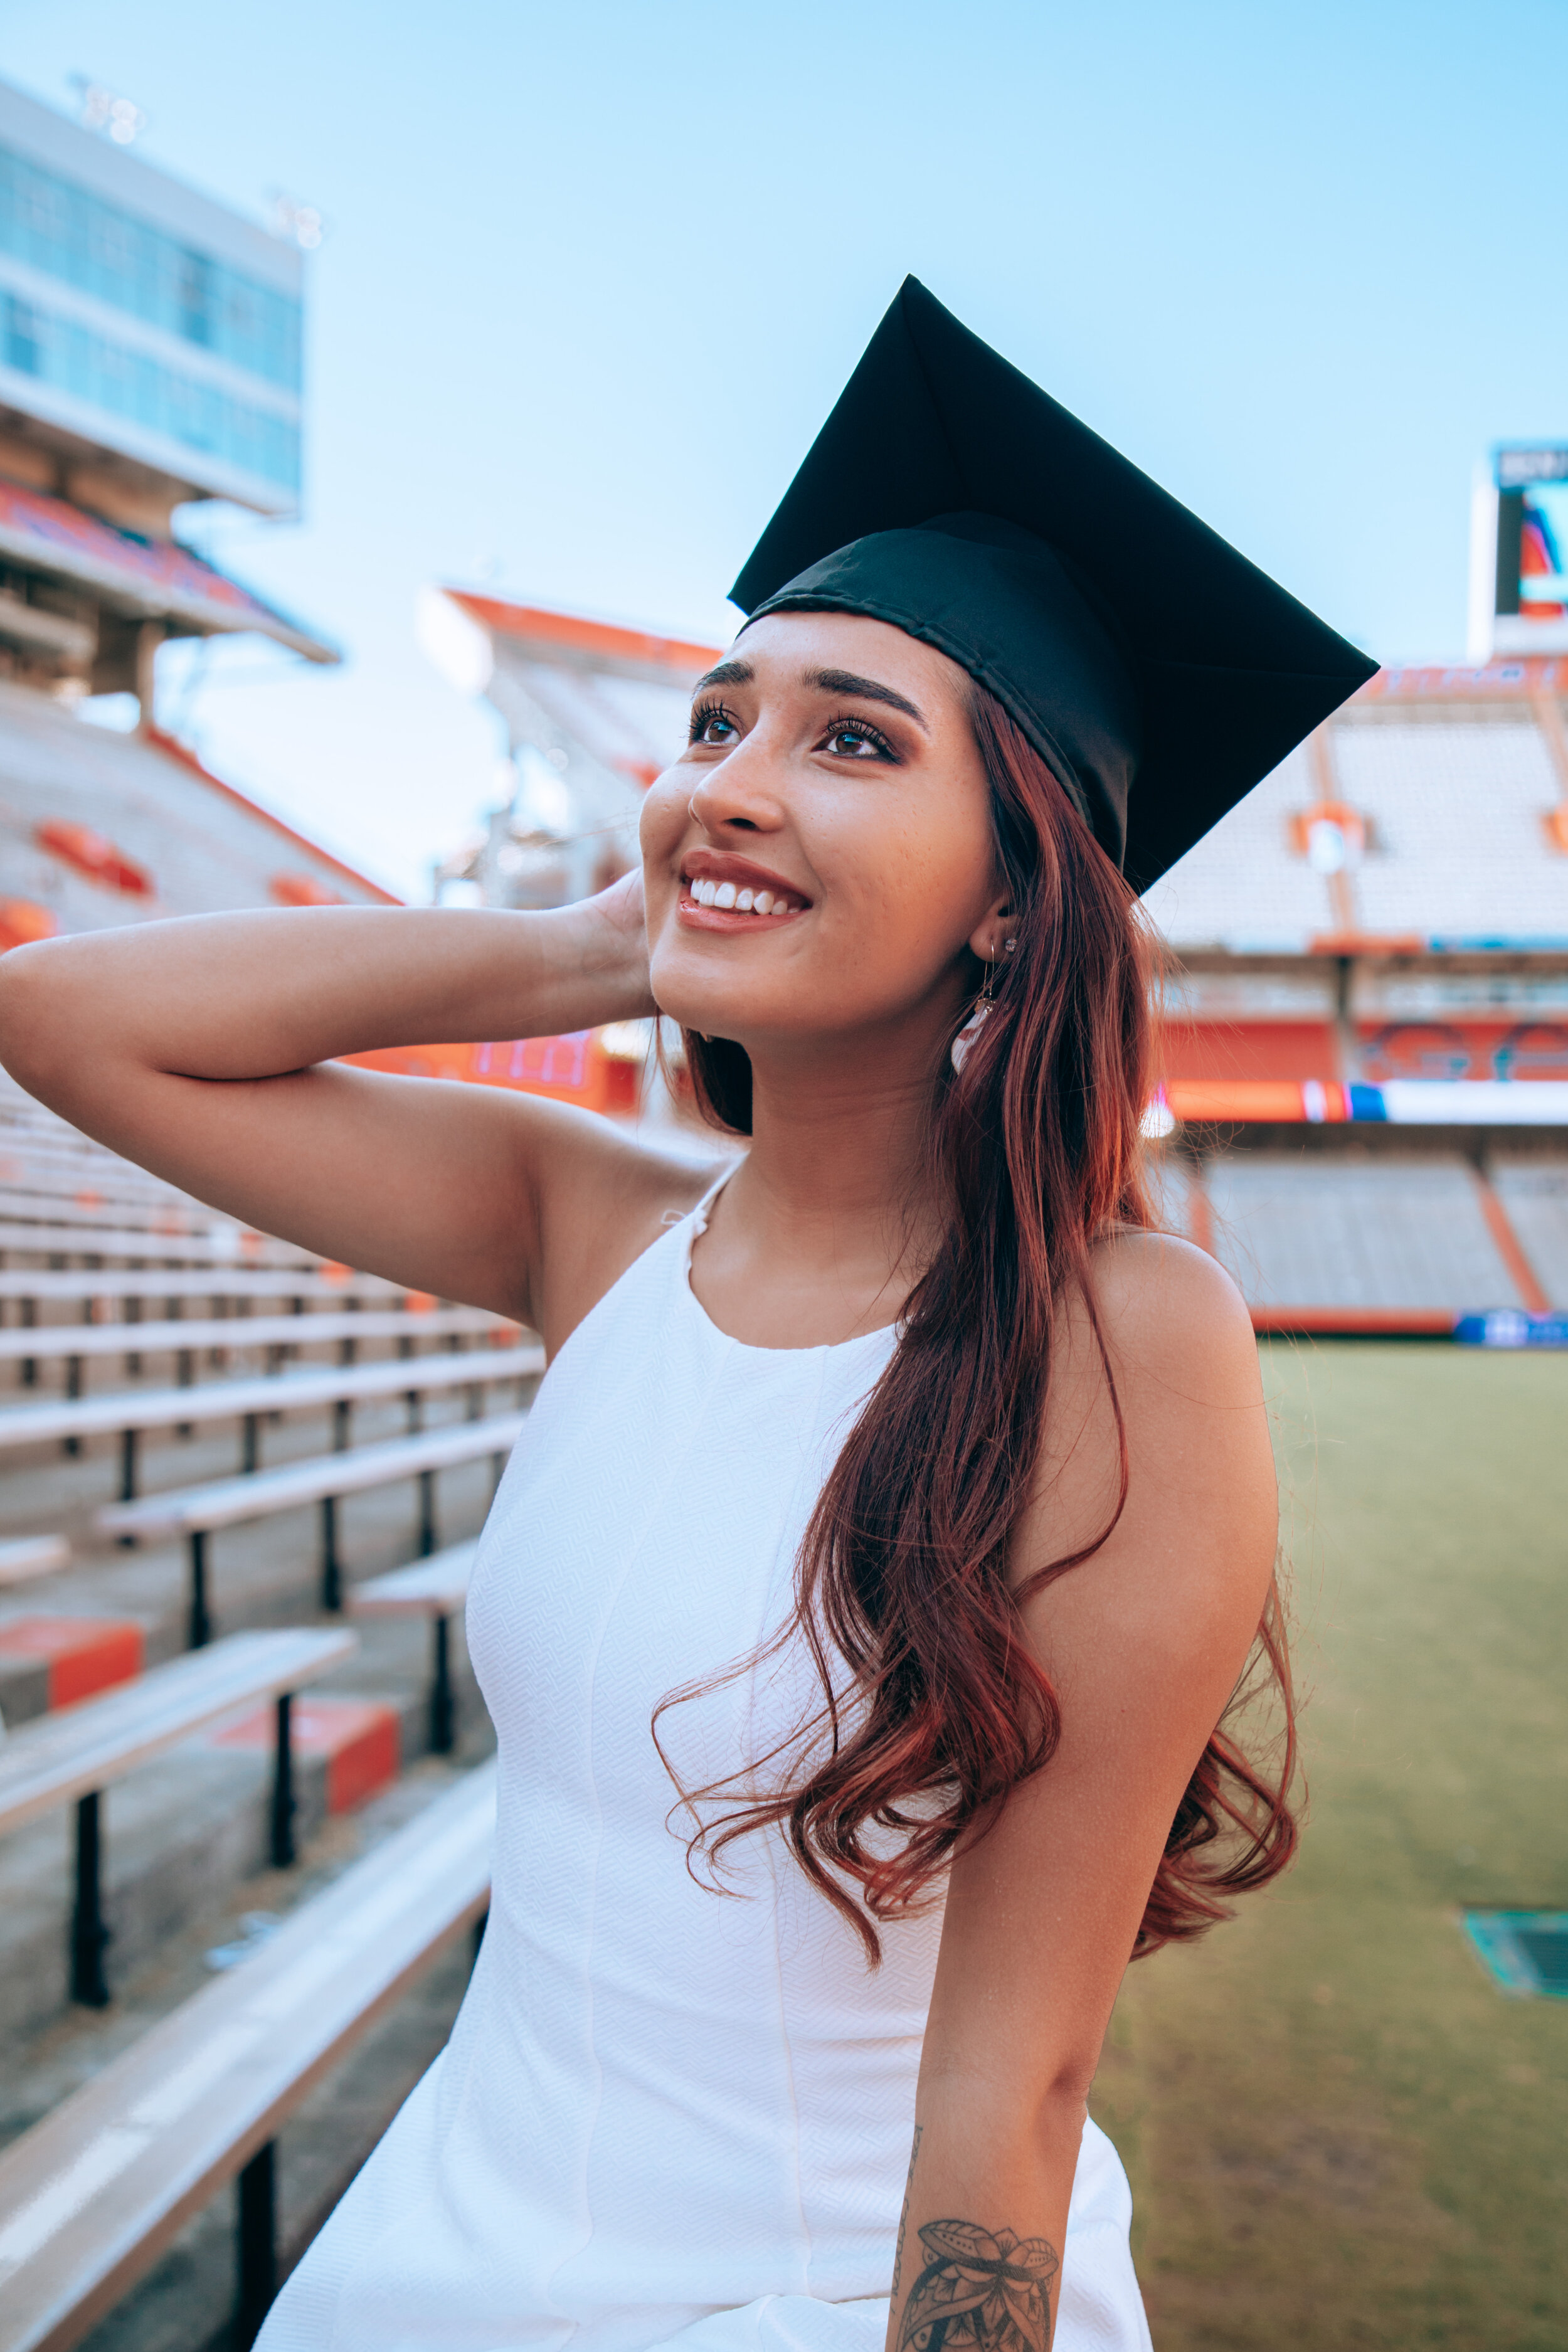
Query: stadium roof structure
x=130, y=577
x=623, y=694
x=594, y=712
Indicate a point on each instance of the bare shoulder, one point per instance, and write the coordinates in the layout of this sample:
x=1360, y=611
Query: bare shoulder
x=1156, y=1375
x=1162, y=1304
x=603, y=1196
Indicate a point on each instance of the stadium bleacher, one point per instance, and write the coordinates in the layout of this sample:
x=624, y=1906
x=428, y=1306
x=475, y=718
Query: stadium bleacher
x=145, y=1787
x=1364, y=1109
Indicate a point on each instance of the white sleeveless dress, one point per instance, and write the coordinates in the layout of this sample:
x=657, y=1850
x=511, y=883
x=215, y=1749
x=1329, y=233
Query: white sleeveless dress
x=664, y=2116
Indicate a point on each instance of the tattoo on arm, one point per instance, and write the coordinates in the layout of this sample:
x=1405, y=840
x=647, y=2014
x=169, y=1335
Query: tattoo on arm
x=904, y=2211
x=979, y=2293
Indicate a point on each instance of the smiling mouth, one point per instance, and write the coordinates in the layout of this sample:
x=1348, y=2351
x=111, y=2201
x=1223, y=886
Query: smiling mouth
x=733, y=886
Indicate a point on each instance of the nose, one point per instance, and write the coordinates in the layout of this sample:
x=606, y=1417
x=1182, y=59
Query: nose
x=738, y=794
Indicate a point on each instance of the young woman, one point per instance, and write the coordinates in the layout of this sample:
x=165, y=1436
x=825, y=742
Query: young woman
x=861, y=1609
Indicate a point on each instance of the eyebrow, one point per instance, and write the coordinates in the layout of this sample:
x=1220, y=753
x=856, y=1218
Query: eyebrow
x=865, y=689
x=729, y=673
x=826, y=681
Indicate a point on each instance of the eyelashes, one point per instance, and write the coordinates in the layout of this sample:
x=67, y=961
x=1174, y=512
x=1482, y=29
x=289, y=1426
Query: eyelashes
x=709, y=714
x=864, y=732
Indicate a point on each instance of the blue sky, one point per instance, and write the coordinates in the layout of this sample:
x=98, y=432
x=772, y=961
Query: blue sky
x=595, y=275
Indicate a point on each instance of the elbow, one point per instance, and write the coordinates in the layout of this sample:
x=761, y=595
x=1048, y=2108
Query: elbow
x=33, y=1013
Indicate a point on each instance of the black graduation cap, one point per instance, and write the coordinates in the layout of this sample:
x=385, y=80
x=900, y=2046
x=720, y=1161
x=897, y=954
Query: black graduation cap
x=1159, y=672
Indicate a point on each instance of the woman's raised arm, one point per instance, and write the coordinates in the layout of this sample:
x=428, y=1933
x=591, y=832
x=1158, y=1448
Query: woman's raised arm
x=204, y=1049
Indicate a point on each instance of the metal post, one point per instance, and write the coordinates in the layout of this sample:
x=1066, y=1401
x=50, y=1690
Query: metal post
x=442, y=1712
x=476, y=1400
x=255, y=2281
x=201, y=1623
x=427, y=1513
x=283, y=1786
x=413, y=1401
x=89, y=1934
x=251, y=1443
x=342, y=1409
x=73, y=1396
x=332, y=1574
x=29, y=1323
x=128, y=1468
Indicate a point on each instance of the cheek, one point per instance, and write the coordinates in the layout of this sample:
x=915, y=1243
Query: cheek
x=917, y=885
x=663, y=818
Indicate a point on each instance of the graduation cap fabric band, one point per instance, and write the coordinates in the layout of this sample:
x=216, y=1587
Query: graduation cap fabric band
x=999, y=602
x=1159, y=672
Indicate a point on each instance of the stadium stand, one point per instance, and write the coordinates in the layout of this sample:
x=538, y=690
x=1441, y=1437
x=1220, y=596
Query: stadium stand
x=1379, y=1242
x=197, y=1512
x=77, y=1753
x=1535, y=1195
x=141, y=1790
x=1368, y=1001
x=92, y=2195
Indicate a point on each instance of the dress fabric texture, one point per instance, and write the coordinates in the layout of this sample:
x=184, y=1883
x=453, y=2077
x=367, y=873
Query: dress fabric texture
x=665, y=2115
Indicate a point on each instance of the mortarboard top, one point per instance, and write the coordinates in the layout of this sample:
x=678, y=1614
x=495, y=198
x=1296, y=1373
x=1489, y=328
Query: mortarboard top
x=1160, y=673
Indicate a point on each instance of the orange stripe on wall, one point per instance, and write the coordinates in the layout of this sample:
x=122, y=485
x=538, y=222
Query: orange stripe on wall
x=1396, y=1322
x=1512, y=1251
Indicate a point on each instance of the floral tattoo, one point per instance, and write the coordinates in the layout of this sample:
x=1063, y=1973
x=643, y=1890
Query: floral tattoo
x=979, y=2293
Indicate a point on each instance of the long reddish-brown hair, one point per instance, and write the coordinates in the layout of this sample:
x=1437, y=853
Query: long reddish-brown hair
x=901, y=1582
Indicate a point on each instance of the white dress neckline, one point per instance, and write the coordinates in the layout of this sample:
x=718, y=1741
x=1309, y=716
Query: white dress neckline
x=696, y=1224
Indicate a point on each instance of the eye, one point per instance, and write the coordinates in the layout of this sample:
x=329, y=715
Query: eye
x=857, y=739
x=711, y=723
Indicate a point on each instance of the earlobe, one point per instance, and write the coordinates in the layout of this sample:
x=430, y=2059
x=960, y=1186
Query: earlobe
x=993, y=936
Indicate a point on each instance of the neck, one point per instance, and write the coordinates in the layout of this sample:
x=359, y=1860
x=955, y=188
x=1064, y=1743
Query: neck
x=832, y=1203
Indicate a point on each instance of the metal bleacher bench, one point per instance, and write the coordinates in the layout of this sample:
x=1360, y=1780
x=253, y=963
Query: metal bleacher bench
x=187, y=1338
x=195, y=1249
x=436, y=1588
x=245, y=1401
x=83, y=1749
x=91, y=2196
x=86, y=1283
x=25, y=1557
x=196, y=1512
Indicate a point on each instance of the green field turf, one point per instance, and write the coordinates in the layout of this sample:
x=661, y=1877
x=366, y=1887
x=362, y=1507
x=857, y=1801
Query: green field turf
x=1339, y=2132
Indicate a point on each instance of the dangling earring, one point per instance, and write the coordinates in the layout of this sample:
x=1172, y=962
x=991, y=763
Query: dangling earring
x=978, y=1018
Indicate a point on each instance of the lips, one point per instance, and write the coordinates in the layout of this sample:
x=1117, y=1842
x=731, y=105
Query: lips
x=719, y=891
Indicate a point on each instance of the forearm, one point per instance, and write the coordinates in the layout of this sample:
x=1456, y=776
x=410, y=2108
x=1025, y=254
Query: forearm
x=252, y=995
x=980, y=2237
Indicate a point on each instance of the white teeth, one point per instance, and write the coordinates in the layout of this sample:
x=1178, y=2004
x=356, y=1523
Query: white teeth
x=706, y=892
